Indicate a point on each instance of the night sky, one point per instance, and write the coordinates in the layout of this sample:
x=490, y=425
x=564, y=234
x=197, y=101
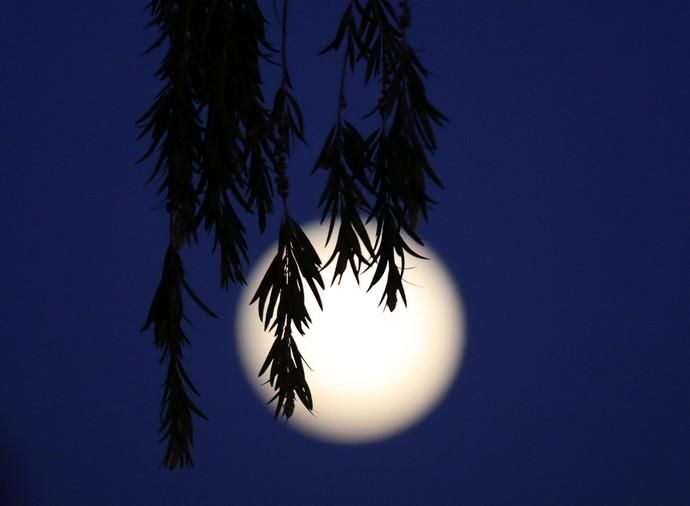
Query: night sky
x=565, y=221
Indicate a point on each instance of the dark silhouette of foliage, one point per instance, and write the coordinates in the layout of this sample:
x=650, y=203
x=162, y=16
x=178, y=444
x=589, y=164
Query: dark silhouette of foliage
x=283, y=288
x=166, y=315
x=219, y=149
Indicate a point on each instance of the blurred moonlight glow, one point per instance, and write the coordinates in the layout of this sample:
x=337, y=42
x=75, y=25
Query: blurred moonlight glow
x=374, y=373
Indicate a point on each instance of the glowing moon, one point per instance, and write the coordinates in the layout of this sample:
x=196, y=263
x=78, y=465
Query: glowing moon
x=374, y=373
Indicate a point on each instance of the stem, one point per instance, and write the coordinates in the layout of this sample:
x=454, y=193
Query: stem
x=282, y=180
x=341, y=89
x=284, y=45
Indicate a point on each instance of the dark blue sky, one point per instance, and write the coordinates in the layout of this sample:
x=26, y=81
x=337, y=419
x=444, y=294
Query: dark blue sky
x=565, y=220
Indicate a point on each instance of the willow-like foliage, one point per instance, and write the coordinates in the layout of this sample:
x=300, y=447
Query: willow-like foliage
x=220, y=150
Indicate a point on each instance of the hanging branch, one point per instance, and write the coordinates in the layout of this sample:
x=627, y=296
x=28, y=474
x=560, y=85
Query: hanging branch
x=176, y=133
x=237, y=150
x=173, y=122
x=282, y=307
x=390, y=166
x=344, y=156
x=398, y=147
x=281, y=292
x=166, y=315
x=211, y=70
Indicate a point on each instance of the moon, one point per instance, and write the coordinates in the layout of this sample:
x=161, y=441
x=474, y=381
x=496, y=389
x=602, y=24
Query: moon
x=372, y=373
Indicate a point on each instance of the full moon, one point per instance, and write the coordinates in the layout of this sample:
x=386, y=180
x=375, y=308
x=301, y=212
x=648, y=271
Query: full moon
x=372, y=373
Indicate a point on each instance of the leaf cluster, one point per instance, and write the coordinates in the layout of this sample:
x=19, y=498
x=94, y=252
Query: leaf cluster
x=281, y=304
x=382, y=175
x=166, y=315
x=209, y=127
